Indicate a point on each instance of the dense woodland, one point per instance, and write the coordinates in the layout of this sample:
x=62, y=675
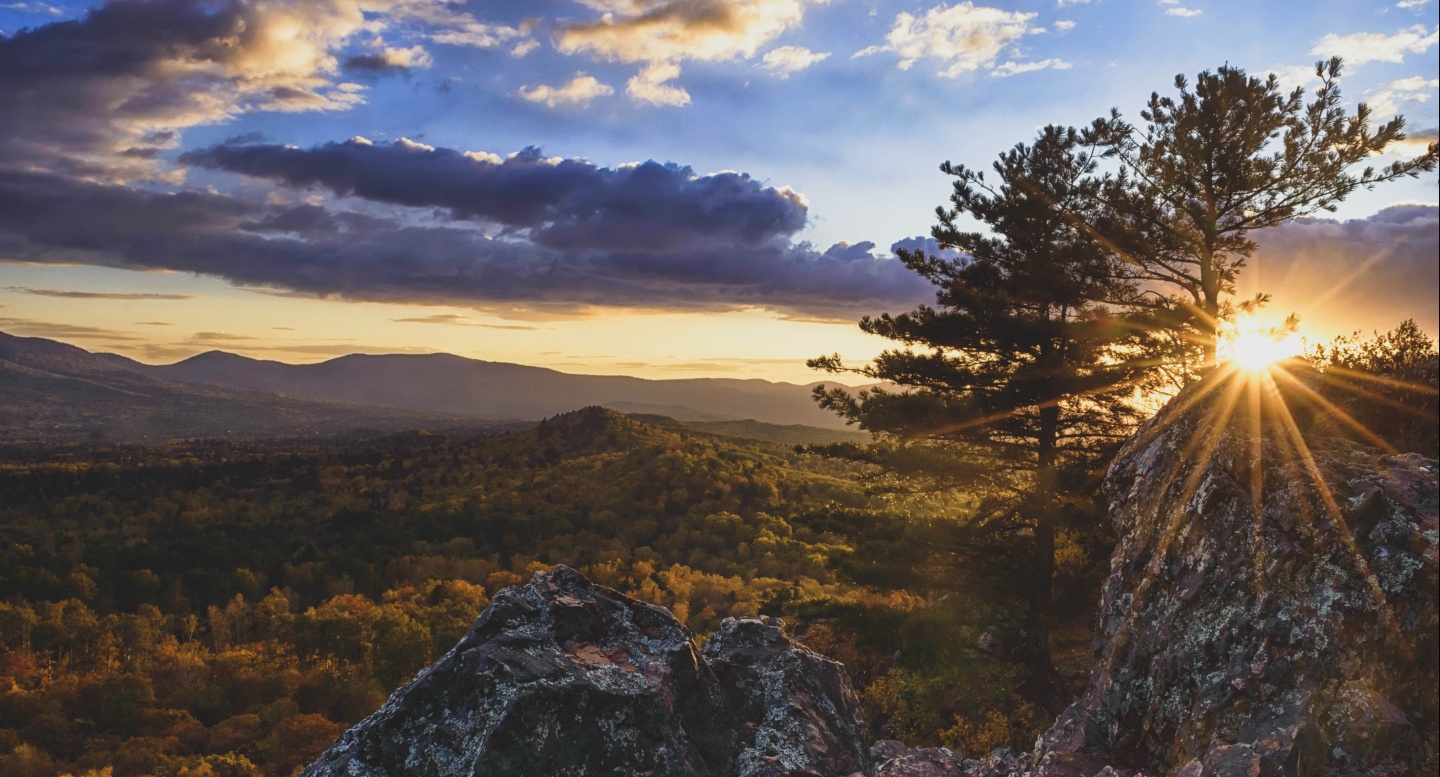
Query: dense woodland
x=228, y=608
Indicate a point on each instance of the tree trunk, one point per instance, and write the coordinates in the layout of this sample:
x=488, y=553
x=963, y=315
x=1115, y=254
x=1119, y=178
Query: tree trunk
x=1041, y=508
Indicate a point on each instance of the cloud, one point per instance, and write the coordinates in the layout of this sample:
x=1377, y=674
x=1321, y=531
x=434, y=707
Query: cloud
x=1293, y=76
x=40, y=8
x=1362, y=47
x=1367, y=274
x=31, y=328
x=586, y=264
x=579, y=90
x=1407, y=5
x=69, y=294
x=389, y=60
x=1011, y=68
x=1173, y=8
x=1385, y=100
x=104, y=94
x=662, y=34
x=649, y=85
x=1064, y=25
x=1415, y=143
x=791, y=59
x=676, y=30
x=154, y=323
x=967, y=37
x=455, y=319
x=566, y=204
x=83, y=92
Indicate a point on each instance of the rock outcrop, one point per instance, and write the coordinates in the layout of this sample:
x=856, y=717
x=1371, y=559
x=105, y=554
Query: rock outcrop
x=1270, y=610
x=1271, y=606
x=563, y=677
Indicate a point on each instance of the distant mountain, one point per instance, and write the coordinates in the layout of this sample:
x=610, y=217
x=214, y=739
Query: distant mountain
x=53, y=391
x=452, y=384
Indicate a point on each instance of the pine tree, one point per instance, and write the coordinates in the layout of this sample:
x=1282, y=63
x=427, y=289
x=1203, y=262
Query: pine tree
x=1021, y=366
x=1234, y=156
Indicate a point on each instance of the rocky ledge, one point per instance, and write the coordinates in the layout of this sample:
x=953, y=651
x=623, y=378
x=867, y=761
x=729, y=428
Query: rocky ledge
x=1271, y=610
x=564, y=677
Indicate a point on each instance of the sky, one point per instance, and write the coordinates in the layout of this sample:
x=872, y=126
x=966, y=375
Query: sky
x=662, y=188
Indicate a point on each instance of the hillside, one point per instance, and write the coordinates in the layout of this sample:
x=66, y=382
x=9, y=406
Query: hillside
x=453, y=384
x=53, y=391
x=228, y=607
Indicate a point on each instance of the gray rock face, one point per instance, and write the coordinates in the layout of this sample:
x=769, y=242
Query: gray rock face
x=562, y=677
x=1292, y=634
x=896, y=759
x=805, y=718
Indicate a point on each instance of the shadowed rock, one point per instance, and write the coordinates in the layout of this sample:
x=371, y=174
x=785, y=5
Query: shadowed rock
x=895, y=759
x=562, y=677
x=556, y=677
x=799, y=705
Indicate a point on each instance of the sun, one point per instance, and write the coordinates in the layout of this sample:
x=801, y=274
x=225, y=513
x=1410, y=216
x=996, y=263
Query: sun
x=1253, y=348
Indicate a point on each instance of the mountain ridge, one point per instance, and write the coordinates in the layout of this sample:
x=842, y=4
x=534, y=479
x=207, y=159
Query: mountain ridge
x=49, y=387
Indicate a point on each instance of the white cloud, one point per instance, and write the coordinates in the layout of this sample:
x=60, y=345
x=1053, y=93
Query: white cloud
x=652, y=32
x=580, y=90
x=661, y=34
x=1063, y=3
x=1362, y=47
x=966, y=37
x=1015, y=68
x=1385, y=100
x=1064, y=24
x=1407, y=5
x=790, y=59
x=649, y=86
x=1173, y=8
x=1292, y=76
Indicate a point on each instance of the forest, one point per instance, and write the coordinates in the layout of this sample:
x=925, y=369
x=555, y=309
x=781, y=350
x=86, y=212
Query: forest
x=229, y=607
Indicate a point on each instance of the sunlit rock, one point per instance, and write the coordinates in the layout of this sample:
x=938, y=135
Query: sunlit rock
x=1291, y=634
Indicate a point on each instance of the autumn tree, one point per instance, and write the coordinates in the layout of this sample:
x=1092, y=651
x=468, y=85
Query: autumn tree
x=1234, y=155
x=1021, y=366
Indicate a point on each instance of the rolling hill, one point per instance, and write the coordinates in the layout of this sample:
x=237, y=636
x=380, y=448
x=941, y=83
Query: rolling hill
x=50, y=390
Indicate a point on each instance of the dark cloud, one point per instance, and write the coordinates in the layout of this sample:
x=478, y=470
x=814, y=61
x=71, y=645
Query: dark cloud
x=1367, y=274
x=50, y=219
x=112, y=89
x=69, y=294
x=567, y=204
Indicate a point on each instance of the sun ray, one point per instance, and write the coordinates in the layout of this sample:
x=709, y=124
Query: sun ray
x=1337, y=518
x=1217, y=425
x=1334, y=410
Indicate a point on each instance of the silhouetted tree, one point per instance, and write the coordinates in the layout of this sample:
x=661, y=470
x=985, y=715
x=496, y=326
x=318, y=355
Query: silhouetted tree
x=1021, y=367
x=1235, y=155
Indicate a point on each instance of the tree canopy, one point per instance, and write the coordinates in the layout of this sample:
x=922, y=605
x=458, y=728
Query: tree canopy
x=1234, y=155
x=1025, y=361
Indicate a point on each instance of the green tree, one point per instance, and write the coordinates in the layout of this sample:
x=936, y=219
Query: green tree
x=1022, y=366
x=1235, y=155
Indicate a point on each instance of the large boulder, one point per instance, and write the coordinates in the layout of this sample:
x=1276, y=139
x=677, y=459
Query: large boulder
x=558, y=677
x=800, y=716
x=563, y=677
x=1271, y=606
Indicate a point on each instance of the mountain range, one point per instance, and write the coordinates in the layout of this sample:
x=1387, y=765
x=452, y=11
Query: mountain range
x=52, y=390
